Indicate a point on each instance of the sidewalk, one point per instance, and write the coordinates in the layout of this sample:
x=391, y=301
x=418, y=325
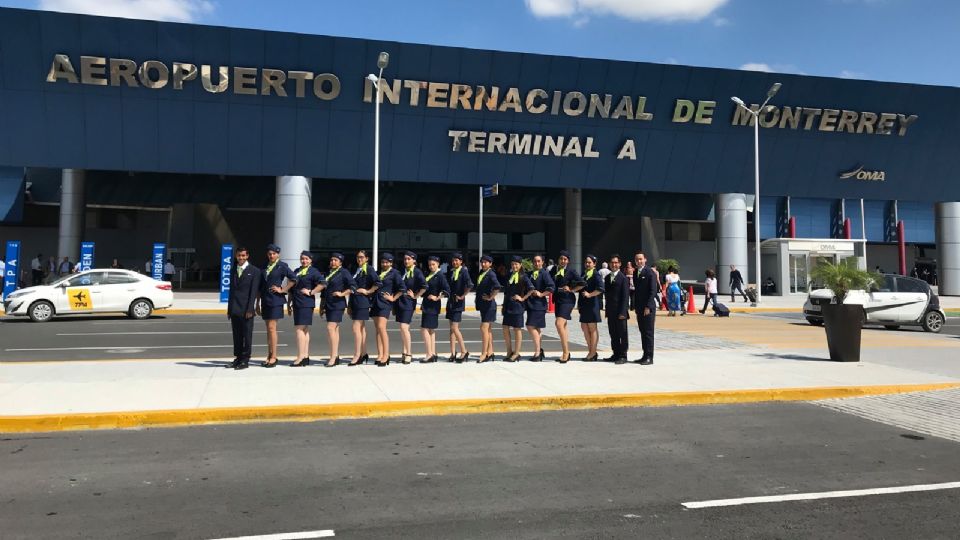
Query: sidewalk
x=699, y=361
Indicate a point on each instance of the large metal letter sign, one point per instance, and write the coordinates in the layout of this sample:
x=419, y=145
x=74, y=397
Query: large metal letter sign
x=10, y=271
x=86, y=256
x=226, y=266
x=158, y=252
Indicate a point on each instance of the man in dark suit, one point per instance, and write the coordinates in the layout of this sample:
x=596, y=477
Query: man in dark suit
x=617, y=305
x=245, y=281
x=645, y=290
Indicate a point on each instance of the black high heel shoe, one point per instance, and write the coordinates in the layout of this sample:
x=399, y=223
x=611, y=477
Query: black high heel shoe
x=515, y=357
x=383, y=364
x=405, y=356
x=328, y=364
x=429, y=360
x=453, y=358
x=269, y=364
x=483, y=359
x=591, y=358
x=463, y=357
x=302, y=363
x=564, y=358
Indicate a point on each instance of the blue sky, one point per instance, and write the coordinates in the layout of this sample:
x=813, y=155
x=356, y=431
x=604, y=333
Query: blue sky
x=890, y=40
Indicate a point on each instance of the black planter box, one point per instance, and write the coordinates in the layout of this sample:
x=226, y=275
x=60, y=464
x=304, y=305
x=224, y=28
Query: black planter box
x=843, y=324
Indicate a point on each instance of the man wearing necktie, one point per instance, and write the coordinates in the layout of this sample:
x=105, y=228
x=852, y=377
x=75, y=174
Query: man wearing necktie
x=646, y=286
x=617, y=295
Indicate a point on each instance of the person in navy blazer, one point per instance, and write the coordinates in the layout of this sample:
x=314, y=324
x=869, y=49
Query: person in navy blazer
x=617, y=301
x=242, y=306
x=391, y=287
x=515, y=291
x=565, y=280
x=277, y=280
x=435, y=288
x=339, y=287
x=460, y=285
x=414, y=283
x=367, y=282
x=302, y=302
x=646, y=288
x=486, y=291
x=537, y=299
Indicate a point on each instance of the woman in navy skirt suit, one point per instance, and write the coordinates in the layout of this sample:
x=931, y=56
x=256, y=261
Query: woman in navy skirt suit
x=415, y=284
x=339, y=286
x=273, y=298
x=590, y=305
x=367, y=282
x=565, y=280
x=536, y=300
x=302, y=303
x=460, y=285
x=486, y=290
x=435, y=287
x=391, y=287
x=515, y=290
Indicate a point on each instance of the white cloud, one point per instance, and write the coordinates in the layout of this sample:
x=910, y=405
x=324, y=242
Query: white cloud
x=755, y=66
x=771, y=68
x=581, y=22
x=155, y=10
x=847, y=74
x=636, y=10
x=721, y=21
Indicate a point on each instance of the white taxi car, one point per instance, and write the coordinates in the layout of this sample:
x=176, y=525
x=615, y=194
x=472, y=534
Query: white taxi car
x=92, y=291
x=894, y=302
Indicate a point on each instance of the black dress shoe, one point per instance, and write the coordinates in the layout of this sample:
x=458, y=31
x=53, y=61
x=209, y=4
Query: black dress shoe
x=620, y=361
x=611, y=358
x=233, y=364
x=645, y=361
x=241, y=365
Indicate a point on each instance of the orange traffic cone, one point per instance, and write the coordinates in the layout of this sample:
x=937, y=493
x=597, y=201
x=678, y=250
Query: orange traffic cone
x=691, y=307
x=663, y=297
x=550, y=307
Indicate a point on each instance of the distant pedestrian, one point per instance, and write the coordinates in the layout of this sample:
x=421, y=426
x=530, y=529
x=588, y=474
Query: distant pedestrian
x=36, y=270
x=65, y=267
x=709, y=291
x=50, y=272
x=148, y=268
x=736, y=284
x=245, y=282
x=116, y=264
x=604, y=271
x=674, y=293
x=168, y=270
x=629, y=271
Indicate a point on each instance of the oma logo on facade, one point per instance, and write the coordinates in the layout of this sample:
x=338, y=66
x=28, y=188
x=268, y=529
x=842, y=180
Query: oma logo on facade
x=860, y=174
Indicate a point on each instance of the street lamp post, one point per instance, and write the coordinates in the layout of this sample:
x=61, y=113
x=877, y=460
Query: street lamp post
x=756, y=176
x=382, y=60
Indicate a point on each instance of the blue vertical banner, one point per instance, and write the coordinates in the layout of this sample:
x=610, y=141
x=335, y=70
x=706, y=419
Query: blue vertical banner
x=86, y=256
x=10, y=270
x=226, y=266
x=159, y=250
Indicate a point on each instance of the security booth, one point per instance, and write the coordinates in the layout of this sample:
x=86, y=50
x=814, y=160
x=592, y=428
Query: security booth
x=788, y=262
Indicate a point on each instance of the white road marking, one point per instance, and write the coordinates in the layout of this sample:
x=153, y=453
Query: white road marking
x=154, y=333
x=115, y=347
x=305, y=535
x=821, y=495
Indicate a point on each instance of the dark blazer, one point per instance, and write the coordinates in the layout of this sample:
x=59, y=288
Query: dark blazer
x=616, y=295
x=436, y=285
x=365, y=278
x=523, y=284
x=244, y=290
x=543, y=283
x=309, y=280
x=276, y=276
x=416, y=283
x=645, y=289
x=458, y=287
x=390, y=283
x=569, y=278
x=338, y=281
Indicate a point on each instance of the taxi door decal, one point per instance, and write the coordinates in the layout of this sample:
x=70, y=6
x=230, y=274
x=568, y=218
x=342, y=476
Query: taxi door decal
x=79, y=299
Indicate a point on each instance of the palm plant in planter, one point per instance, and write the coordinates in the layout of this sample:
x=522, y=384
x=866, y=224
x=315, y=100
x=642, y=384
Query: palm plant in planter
x=843, y=322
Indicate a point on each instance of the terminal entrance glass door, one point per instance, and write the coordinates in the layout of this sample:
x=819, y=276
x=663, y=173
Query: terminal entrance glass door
x=801, y=265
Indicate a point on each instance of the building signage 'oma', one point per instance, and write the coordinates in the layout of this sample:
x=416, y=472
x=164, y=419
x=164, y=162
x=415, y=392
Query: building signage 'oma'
x=860, y=174
x=154, y=74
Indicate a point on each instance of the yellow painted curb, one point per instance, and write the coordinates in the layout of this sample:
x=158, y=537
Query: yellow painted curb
x=307, y=413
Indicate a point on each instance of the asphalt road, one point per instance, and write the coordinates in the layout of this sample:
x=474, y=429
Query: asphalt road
x=614, y=473
x=209, y=336
x=951, y=328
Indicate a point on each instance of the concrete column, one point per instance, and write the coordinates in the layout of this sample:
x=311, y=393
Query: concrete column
x=72, y=210
x=948, y=247
x=573, y=226
x=731, y=220
x=291, y=229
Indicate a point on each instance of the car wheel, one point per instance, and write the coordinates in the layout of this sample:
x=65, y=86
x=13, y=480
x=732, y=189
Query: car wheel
x=815, y=322
x=41, y=311
x=892, y=326
x=933, y=322
x=140, y=309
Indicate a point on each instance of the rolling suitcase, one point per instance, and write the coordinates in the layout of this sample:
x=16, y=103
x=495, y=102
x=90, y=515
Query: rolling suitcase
x=720, y=310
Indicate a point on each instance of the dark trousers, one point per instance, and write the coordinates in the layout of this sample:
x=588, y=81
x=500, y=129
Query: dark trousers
x=712, y=297
x=647, y=324
x=242, y=337
x=619, y=340
x=734, y=288
x=37, y=277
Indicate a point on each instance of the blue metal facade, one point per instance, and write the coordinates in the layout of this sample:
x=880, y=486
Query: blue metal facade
x=61, y=125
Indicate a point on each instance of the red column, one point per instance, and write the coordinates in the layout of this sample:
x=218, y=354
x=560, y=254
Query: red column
x=793, y=227
x=901, y=248
x=847, y=229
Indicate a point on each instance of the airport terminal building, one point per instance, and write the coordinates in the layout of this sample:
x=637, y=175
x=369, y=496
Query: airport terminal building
x=127, y=132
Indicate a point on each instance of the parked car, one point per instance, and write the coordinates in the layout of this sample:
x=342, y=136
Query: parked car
x=897, y=301
x=92, y=291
